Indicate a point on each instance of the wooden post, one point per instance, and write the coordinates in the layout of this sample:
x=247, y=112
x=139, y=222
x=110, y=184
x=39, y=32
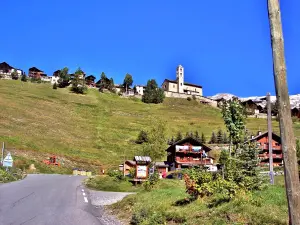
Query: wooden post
x=285, y=122
x=270, y=140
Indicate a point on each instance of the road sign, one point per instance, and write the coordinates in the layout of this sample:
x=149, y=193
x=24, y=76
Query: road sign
x=8, y=161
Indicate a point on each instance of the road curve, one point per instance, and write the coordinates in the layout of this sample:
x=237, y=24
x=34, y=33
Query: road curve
x=47, y=200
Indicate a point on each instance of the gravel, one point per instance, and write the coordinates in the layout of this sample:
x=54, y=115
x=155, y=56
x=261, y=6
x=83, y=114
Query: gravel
x=99, y=199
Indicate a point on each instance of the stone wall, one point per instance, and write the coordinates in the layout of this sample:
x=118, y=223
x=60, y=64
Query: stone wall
x=202, y=99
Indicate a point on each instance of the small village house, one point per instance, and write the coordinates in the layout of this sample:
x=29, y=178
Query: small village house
x=55, y=77
x=140, y=89
x=34, y=72
x=6, y=71
x=90, y=81
x=251, y=107
x=296, y=112
x=189, y=152
x=263, y=144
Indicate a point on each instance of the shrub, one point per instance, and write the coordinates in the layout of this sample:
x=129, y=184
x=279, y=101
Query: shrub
x=55, y=86
x=24, y=78
x=151, y=182
x=189, y=99
x=142, y=138
x=194, y=97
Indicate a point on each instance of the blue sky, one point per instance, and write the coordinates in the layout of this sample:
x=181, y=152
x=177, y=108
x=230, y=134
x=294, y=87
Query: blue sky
x=223, y=45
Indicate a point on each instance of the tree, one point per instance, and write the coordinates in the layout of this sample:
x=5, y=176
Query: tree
x=127, y=81
x=64, y=77
x=224, y=156
x=142, y=138
x=203, y=138
x=187, y=134
x=24, y=78
x=14, y=75
x=157, y=141
x=225, y=138
x=234, y=117
x=179, y=136
x=152, y=93
x=55, y=86
x=220, y=138
x=213, y=139
x=78, y=84
x=197, y=136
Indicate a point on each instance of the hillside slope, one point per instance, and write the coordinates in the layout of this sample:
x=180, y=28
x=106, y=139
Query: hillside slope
x=96, y=128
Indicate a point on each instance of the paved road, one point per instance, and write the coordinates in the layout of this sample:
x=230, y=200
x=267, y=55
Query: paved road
x=47, y=200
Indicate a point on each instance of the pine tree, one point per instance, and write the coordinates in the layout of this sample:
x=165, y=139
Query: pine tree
x=187, y=134
x=225, y=138
x=213, y=139
x=179, y=136
x=220, y=138
x=24, y=78
x=203, y=139
x=197, y=137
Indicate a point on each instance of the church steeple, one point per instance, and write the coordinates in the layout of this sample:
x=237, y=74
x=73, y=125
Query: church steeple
x=180, y=78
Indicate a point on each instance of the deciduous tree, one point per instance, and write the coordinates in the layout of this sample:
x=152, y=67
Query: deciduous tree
x=127, y=81
x=152, y=93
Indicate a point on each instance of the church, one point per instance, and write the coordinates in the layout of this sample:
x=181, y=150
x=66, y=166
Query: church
x=180, y=88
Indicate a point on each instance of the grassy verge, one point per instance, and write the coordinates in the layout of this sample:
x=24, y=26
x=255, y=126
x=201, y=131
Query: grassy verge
x=166, y=205
x=13, y=174
x=106, y=183
x=97, y=128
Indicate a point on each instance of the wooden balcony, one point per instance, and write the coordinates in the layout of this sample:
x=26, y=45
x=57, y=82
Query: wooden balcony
x=266, y=156
x=274, y=147
x=194, y=160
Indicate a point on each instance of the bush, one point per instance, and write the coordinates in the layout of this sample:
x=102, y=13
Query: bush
x=189, y=99
x=55, y=86
x=151, y=182
x=24, y=78
x=194, y=97
x=142, y=138
x=116, y=174
x=79, y=89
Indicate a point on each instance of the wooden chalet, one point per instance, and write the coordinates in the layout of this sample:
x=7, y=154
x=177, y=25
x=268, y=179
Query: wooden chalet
x=188, y=152
x=296, y=112
x=34, y=72
x=5, y=68
x=252, y=107
x=56, y=73
x=263, y=144
x=90, y=81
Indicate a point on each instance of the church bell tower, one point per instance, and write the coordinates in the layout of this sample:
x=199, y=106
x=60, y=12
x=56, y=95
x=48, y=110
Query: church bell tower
x=180, y=78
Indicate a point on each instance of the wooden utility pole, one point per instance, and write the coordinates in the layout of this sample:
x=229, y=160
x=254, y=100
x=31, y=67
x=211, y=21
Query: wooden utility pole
x=270, y=139
x=284, y=109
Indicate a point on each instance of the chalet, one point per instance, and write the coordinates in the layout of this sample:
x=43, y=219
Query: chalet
x=252, y=108
x=90, y=81
x=34, y=72
x=189, y=152
x=296, y=112
x=263, y=144
x=6, y=71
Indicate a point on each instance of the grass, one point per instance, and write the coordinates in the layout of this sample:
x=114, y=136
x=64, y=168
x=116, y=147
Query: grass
x=106, y=183
x=96, y=129
x=159, y=206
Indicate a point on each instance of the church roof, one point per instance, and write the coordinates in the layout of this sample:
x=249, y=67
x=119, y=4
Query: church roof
x=185, y=83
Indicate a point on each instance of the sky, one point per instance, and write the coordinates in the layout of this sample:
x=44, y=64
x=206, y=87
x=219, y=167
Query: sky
x=222, y=45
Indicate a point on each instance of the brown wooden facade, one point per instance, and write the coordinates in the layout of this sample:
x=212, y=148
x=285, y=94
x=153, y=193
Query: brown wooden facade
x=188, y=152
x=263, y=144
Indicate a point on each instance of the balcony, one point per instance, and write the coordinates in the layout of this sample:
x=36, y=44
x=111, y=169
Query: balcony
x=274, y=147
x=194, y=160
x=266, y=156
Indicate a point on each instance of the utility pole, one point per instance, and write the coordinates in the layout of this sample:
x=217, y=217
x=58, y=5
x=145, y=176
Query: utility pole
x=270, y=140
x=288, y=143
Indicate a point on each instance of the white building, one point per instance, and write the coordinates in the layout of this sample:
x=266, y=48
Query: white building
x=140, y=89
x=6, y=71
x=180, y=88
x=54, y=79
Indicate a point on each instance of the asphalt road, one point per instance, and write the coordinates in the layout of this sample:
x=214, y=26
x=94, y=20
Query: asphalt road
x=47, y=200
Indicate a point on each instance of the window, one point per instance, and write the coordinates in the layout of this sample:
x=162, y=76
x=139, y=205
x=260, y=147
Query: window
x=180, y=74
x=165, y=86
x=195, y=89
x=180, y=84
x=173, y=85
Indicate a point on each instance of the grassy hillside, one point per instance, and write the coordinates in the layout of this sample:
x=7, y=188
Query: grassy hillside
x=96, y=128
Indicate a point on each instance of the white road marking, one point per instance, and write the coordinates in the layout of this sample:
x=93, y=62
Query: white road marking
x=83, y=194
x=85, y=199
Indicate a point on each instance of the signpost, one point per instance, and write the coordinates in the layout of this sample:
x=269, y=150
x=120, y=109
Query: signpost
x=8, y=161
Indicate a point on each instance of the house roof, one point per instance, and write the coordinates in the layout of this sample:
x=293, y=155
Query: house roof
x=34, y=69
x=142, y=158
x=132, y=162
x=161, y=164
x=185, y=83
x=190, y=140
x=274, y=137
x=5, y=66
x=90, y=76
